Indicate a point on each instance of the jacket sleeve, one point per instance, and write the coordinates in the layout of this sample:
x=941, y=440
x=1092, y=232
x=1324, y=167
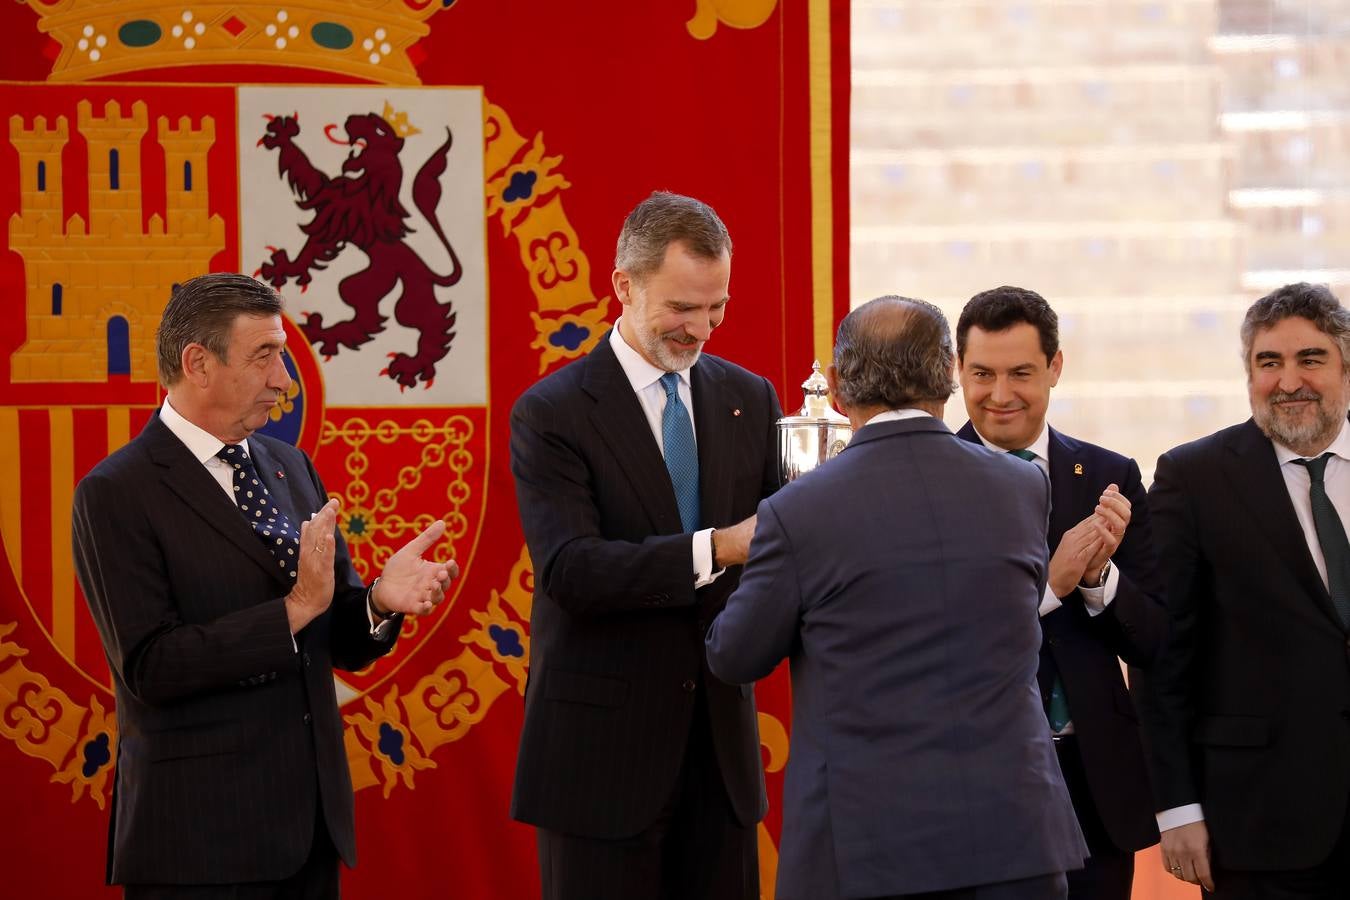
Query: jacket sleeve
x=1163, y=694
x=1134, y=624
x=575, y=564
x=351, y=643
x=760, y=624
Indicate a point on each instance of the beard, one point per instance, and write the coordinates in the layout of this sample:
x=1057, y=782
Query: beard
x=670, y=358
x=1305, y=431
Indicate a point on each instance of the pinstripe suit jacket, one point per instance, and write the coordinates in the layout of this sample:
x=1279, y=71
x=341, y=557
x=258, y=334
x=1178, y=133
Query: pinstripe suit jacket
x=227, y=734
x=616, y=631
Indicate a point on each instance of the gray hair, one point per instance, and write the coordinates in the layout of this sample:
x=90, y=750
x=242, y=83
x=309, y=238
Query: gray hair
x=661, y=220
x=894, y=352
x=1313, y=302
x=202, y=311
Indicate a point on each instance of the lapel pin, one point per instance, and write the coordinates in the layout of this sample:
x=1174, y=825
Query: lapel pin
x=280, y=474
x=735, y=412
x=1078, y=468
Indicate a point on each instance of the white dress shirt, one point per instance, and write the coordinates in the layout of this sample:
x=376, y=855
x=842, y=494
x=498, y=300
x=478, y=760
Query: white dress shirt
x=645, y=379
x=1297, y=481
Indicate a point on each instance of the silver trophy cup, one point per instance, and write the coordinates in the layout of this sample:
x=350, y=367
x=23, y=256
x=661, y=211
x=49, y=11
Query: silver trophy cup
x=816, y=433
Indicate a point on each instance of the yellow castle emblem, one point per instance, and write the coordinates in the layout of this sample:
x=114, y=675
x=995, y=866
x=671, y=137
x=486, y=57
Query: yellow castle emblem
x=95, y=290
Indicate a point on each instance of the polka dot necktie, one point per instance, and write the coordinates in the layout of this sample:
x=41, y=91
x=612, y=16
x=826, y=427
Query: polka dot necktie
x=1057, y=707
x=255, y=503
x=677, y=440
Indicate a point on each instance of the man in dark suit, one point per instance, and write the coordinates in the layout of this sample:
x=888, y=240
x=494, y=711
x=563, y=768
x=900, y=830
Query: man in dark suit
x=636, y=468
x=1246, y=713
x=225, y=597
x=1103, y=596
x=920, y=762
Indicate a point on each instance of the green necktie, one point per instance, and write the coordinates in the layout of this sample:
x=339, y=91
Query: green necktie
x=1058, y=709
x=1331, y=535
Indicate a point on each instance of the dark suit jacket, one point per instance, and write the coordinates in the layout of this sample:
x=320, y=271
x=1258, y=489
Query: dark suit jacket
x=902, y=579
x=1083, y=650
x=616, y=631
x=227, y=736
x=1247, y=710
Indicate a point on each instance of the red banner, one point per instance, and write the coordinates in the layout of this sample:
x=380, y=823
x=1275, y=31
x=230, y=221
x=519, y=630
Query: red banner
x=144, y=146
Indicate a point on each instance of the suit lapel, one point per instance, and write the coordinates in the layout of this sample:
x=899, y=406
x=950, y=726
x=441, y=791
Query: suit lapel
x=1254, y=474
x=201, y=494
x=1066, y=488
x=1070, y=491
x=716, y=411
x=274, y=478
x=619, y=420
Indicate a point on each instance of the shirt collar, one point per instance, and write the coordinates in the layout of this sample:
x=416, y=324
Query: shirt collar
x=1040, y=446
x=895, y=415
x=200, y=443
x=1340, y=446
x=641, y=374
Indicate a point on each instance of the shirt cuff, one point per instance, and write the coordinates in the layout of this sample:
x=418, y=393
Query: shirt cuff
x=1180, y=815
x=703, y=559
x=379, y=628
x=1099, y=598
x=1049, y=602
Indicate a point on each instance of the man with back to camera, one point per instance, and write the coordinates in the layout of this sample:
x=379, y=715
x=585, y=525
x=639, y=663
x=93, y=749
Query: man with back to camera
x=638, y=469
x=1103, y=597
x=1246, y=713
x=225, y=597
x=920, y=762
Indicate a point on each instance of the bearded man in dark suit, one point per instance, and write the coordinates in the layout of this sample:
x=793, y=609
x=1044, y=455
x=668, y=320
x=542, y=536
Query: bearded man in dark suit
x=638, y=469
x=1247, y=711
x=225, y=597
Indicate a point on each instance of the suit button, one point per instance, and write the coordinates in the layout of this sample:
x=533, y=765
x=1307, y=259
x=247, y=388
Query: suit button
x=304, y=657
x=308, y=718
x=688, y=686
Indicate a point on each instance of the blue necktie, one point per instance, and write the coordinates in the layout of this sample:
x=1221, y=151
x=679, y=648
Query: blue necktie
x=255, y=503
x=1057, y=710
x=1331, y=535
x=677, y=439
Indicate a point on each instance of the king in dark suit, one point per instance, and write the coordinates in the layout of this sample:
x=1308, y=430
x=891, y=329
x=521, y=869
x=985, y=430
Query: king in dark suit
x=225, y=597
x=636, y=468
x=1247, y=712
x=1103, y=598
x=920, y=761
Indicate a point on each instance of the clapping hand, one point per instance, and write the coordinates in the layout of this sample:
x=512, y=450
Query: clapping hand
x=410, y=584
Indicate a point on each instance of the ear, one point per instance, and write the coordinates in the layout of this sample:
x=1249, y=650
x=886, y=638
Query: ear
x=195, y=361
x=1056, y=367
x=832, y=379
x=623, y=286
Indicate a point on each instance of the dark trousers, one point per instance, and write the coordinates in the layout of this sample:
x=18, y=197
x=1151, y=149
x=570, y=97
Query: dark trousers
x=1040, y=887
x=1109, y=871
x=318, y=879
x=1328, y=881
x=696, y=850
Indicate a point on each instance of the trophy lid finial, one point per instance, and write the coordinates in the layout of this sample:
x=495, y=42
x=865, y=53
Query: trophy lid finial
x=817, y=396
x=816, y=385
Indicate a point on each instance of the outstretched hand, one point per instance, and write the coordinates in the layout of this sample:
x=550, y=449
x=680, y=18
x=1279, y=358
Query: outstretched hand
x=410, y=584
